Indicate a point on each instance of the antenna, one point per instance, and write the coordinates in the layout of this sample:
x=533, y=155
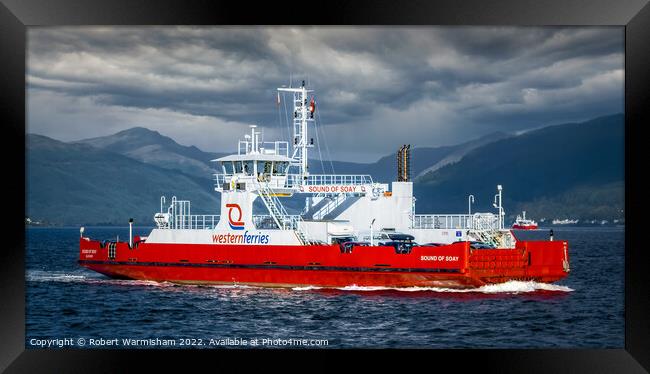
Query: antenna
x=302, y=111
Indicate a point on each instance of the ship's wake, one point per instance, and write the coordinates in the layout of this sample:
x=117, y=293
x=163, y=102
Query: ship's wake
x=54, y=276
x=93, y=278
x=79, y=277
x=510, y=287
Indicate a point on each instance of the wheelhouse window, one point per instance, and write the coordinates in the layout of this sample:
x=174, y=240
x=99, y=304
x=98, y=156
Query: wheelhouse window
x=249, y=167
x=264, y=167
x=280, y=168
x=228, y=167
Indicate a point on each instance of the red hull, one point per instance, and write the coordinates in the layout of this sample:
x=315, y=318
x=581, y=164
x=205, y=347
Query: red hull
x=455, y=265
x=524, y=227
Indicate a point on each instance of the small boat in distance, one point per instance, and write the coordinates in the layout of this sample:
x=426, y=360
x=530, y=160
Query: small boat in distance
x=521, y=223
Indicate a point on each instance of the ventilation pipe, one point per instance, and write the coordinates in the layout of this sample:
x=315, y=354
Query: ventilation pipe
x=130, y=232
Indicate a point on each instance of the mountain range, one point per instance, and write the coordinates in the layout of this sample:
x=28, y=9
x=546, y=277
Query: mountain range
x=76, y=183
x=573, y=170
x=150, y=147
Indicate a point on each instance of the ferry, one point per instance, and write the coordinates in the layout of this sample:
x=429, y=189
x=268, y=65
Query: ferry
x=352, y=231
x=521, y=223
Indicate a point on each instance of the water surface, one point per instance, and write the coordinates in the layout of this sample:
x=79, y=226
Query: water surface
x=585, y=310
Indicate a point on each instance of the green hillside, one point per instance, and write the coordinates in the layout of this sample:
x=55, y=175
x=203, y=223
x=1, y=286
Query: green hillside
x=80, y=184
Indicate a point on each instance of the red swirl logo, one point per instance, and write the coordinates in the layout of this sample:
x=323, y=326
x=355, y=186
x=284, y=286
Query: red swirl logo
x=235, y=224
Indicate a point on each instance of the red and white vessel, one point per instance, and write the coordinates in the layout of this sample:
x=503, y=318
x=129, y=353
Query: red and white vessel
x=352, y=231
x=521, y=223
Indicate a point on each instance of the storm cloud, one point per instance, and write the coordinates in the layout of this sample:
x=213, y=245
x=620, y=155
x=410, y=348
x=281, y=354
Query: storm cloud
x=427, y=86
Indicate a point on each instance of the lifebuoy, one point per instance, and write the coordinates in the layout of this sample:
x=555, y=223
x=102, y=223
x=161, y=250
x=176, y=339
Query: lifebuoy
x=312, y=105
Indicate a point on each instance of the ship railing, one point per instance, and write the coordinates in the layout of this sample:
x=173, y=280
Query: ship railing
x=479, y=222
x=220, y=179
x=486, y=222
x=294, y=180
x=210, y=221
x=245, y=147
x=442, y=221
x=193, y=221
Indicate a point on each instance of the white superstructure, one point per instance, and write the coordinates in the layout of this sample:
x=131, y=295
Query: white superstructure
x=336, y=205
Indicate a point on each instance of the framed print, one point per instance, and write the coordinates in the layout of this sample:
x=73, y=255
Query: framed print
x=430, y=179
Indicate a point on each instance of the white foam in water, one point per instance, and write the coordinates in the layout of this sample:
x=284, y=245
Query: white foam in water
x=507, y=287
x=46, y=276
x=307, y=288
x=518, y=286
x=229, y=286
x=131, y=282
x=57, y=276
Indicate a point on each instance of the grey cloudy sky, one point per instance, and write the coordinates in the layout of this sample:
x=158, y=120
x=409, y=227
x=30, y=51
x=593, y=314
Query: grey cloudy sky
x=376, y=87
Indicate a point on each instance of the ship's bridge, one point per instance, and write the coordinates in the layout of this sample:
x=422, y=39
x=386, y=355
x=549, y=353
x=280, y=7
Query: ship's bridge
x=268, y=165
x=255, y=162
x=245, y=171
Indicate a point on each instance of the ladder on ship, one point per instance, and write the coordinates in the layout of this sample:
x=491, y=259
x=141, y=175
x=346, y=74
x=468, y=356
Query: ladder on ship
x=486, y=237
x=326, y=208
x=499, y=239
x=280, y=215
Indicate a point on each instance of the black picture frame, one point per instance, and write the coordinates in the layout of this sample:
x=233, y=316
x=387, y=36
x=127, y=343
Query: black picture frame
x=16, y=15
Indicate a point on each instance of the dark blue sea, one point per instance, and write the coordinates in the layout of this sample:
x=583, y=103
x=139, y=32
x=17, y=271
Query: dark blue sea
x=68, y=306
